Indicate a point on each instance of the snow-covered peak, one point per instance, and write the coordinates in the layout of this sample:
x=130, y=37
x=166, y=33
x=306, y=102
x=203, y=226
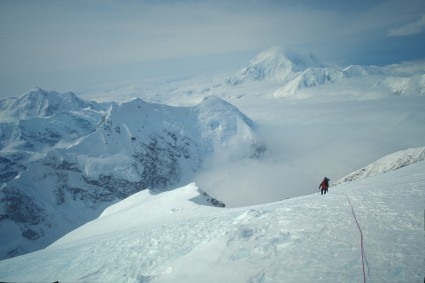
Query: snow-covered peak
x=287, y=59
x=388, y=163
x=311, y=77
x=40, y=103
x=276, y=65
x=39, y=119
x=161, y=144
x=133, y=126
x=301, y=62
x=212, y=105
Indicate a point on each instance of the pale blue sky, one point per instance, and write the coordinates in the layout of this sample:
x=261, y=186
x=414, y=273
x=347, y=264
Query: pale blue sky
x=68, y=45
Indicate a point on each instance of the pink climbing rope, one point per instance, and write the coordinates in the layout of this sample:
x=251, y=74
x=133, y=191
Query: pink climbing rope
x=361, y=239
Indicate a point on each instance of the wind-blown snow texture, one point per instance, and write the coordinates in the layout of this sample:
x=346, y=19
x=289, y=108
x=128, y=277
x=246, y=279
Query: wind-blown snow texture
x=306, y=239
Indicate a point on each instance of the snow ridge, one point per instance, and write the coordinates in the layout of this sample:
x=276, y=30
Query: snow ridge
x=388, y=163
x=40, y=103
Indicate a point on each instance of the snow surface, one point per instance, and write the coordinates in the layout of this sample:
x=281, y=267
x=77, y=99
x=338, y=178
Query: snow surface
x=388, y=163
x=312, y=238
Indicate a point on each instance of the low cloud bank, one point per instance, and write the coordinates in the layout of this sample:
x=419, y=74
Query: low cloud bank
x=308, y=141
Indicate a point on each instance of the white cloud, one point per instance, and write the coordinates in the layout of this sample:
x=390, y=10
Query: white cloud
x=409, y=29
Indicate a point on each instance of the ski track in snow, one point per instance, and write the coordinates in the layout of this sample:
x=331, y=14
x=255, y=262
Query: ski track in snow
x=306, y=239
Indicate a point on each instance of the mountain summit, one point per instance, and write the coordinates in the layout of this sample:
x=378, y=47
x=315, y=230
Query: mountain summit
x=41, y=103
x=276, y=65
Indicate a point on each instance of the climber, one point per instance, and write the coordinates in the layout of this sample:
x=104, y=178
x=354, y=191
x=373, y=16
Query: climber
x=324, y=185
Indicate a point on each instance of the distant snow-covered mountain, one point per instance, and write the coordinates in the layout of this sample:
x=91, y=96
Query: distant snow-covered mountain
x=38, y=121
x=40, y=103
x=80, y=164
x=273, y=64
x=310, y=77
x=291, y=73
x=388, y=163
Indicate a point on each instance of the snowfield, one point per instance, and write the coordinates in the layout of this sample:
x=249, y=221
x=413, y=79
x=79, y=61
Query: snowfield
x=312, y=238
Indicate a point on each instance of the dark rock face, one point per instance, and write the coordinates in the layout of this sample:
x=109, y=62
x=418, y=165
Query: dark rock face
x=109, y=188
x=160, y=159
x=20, y=208
x=10, y=168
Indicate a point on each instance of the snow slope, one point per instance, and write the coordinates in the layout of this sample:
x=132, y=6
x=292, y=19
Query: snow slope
x=388, y=163
x=306, y=239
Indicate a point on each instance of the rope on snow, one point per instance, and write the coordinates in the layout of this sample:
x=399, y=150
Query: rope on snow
x=362, y=249
x=361, y=239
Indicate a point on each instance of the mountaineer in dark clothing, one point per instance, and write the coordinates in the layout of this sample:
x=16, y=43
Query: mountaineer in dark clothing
x=324, y=185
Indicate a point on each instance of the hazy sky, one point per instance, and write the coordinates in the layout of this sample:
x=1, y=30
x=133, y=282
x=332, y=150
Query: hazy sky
x=68, y=45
